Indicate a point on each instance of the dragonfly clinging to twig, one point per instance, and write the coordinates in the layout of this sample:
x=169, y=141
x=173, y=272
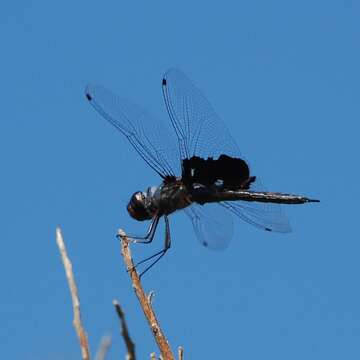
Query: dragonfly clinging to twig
x=199, y=162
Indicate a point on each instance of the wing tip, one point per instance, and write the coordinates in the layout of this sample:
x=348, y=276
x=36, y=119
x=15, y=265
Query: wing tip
x=284, y=228
x=171, y=71
x=88, y=92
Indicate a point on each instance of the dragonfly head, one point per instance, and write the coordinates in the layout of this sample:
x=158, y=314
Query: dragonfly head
x=137, y=208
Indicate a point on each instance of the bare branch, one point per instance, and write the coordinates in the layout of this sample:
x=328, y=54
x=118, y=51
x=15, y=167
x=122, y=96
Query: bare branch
x=180, y=353
x=145, y=304
x=84, y=345
x=130, y=346
x=103, y=348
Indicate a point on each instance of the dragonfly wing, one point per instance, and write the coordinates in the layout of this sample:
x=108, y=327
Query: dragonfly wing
x=199, y=129
x=267, y=216
x=213, y=225
x=153, y=140
x=202, y=133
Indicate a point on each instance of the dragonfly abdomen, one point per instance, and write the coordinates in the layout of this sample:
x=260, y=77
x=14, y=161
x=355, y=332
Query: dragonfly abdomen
x=204, y=195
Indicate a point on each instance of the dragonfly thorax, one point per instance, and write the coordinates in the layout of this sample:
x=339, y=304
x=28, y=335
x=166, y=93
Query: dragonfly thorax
x=170, y=196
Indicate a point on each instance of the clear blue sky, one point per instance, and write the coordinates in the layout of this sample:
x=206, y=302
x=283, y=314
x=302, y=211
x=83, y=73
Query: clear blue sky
x=285, y=78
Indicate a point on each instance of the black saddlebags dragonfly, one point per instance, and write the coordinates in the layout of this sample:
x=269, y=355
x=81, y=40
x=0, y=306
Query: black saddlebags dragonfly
x=200, y=165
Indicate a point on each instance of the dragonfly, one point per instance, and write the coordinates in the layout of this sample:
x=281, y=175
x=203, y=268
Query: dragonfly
x=199, y=162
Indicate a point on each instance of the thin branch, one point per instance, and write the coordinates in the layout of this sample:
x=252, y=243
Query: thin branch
x=130, y=346
x=145, y=304
x=103, y=348
x=180, y=353
x=84, y=345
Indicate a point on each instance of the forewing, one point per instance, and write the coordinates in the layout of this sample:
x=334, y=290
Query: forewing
x=152, y=139
x=199, y=129
x=213, y=225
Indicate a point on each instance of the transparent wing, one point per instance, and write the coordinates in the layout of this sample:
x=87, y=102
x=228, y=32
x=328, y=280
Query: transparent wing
x=201, y=132
x=213, y=225
x=199, y=129
x=264, y=216
x=153, y=140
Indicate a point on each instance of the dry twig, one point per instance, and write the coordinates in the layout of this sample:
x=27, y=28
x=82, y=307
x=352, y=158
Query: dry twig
x=84, y=345
x=130, y=346
x=103, y=348
x=180, y=353
x=145, y=304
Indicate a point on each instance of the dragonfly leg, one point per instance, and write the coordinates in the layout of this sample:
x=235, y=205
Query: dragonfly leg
x=148, y=238
x=160, y=253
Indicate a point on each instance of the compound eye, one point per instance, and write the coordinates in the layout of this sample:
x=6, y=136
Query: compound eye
x=136, y=207
x=138, y=197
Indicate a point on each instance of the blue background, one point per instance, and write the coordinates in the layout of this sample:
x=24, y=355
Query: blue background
x=283, y=75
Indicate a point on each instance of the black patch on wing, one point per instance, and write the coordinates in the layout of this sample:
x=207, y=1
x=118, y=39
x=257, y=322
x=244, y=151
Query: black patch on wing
x=233, y=172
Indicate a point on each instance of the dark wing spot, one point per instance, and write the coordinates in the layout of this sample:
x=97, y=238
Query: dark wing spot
x=205, y=244
x=88, y=96
x=232, y=172
x=268, y=229
x=164, y=81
